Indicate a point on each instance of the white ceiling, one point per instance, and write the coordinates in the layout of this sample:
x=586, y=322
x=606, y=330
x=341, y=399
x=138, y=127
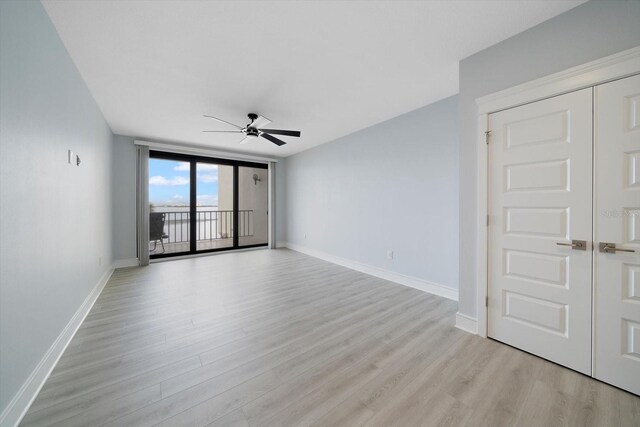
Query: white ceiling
x=327, y=68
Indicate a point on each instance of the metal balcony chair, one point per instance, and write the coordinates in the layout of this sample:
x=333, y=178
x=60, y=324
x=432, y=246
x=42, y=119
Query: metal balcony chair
x=156, y=229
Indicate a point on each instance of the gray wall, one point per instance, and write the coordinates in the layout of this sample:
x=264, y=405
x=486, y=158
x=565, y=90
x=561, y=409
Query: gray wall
x=124, y=198
x=585, y=33
x=55, y=219
x=392, y=186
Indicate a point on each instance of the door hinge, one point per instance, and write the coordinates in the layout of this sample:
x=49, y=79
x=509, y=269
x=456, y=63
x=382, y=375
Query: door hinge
x=486, y=301
x=487, y=136
x=487, y=220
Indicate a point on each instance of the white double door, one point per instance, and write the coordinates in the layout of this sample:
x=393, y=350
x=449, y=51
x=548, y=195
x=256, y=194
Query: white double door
x=564, y=177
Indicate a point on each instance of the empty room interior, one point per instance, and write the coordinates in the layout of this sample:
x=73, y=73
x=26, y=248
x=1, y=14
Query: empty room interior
x=319, y=213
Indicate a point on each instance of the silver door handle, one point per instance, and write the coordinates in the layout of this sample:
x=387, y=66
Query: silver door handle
x=578, y=245
x=610, y=248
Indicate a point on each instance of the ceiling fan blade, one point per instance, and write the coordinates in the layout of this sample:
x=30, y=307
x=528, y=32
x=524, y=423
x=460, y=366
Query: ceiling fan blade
x=246, y=140
x=223, y=131
x=281, y=132
x=273, y=139
x=260, y=121
x=223, y=121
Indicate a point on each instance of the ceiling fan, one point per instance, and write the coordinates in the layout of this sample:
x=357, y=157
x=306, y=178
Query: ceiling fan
x=255, y=129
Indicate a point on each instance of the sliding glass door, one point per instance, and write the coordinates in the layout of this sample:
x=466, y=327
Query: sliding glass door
x=169, y=206
x=200, y=204
x=214, y=206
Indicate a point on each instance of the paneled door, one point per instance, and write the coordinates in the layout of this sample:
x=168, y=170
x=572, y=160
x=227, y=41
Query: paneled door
x=617, y=221
x=540, y=204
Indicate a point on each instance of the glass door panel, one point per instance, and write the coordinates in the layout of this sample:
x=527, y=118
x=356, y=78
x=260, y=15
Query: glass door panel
x=253, y=205
x=214, y=206
x=201, y=204
x=169, y=206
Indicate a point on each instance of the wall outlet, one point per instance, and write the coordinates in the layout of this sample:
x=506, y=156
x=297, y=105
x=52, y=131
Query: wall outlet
x=305, y=236
x=71, y=157
x=389, y=254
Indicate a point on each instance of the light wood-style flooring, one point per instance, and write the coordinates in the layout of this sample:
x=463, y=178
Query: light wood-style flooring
x=277, y=338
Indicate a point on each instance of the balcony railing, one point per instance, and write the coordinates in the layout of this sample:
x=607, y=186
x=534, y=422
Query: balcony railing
x=210, y=225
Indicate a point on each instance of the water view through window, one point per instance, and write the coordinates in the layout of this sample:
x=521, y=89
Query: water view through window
x=194, y=205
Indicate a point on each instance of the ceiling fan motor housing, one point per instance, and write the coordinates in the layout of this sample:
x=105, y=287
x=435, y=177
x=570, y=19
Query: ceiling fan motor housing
x=252, y=131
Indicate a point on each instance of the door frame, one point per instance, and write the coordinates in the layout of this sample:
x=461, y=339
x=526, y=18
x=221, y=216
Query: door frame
x=610, y=68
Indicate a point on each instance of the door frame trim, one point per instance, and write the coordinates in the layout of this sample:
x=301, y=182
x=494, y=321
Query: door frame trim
x=609, y=68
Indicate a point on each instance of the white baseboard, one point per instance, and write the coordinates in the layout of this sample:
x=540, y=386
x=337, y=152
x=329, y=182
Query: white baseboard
x=17, y=408
x=412, y=282
x=466, y=323
x=123, y=263
x=281, y=245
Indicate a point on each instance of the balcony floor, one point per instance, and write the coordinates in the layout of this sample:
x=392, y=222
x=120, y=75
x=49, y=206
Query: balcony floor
x=170, y=248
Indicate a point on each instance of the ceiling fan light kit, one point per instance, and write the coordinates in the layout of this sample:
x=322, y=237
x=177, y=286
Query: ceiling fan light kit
x=255, y=129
